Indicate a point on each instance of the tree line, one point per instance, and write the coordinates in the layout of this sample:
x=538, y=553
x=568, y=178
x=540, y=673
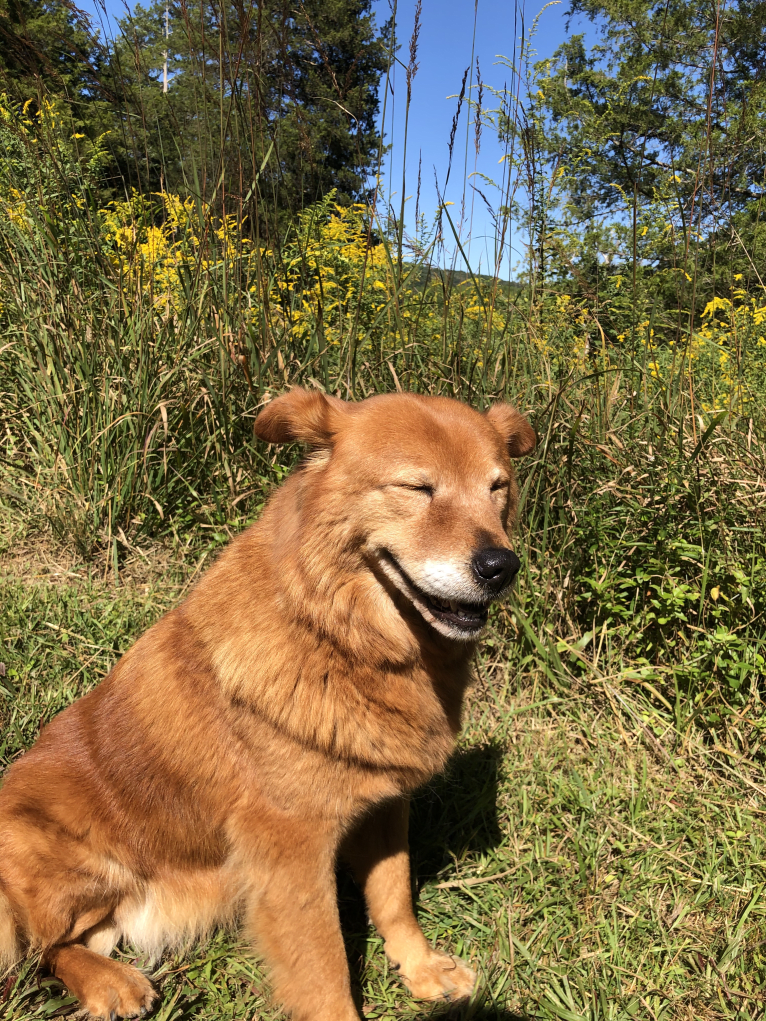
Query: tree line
x=641, y=144
x=642, y=147
x=268, y=100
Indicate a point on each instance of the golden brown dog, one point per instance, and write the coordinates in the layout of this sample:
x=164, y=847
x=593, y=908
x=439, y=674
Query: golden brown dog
x=277, y=719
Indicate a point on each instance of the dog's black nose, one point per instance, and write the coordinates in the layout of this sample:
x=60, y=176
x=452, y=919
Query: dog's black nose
x=495, y=567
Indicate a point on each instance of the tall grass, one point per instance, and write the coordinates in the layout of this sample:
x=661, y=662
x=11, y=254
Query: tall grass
x=140, y=337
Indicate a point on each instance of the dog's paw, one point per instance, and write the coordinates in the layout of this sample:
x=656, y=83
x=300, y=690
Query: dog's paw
x=122, y=992
x=439, y=977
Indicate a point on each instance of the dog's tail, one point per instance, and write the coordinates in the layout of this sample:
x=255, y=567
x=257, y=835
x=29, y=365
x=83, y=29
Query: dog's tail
x=10, y=951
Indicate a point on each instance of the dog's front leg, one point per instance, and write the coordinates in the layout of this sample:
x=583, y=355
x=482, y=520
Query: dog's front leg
x=378, y=851
x=292, y=916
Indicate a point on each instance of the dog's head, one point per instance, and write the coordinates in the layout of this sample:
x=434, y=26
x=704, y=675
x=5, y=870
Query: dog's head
x=422, y=487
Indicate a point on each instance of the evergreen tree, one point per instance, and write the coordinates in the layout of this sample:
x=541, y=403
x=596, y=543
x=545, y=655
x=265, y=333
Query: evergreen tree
x=45, y=45
x=269, y=100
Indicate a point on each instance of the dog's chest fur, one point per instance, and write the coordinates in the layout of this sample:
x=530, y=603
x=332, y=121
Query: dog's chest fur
x=264, y=722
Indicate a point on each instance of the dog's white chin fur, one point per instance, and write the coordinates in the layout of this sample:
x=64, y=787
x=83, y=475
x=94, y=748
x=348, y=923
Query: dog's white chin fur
x=404, y=585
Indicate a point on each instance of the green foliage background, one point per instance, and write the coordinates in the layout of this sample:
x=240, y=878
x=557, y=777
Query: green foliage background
x=169, y=261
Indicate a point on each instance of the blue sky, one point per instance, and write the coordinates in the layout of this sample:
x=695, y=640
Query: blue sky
x=447, y=42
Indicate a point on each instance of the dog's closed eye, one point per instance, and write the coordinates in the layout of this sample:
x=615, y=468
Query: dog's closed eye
x=416, y=487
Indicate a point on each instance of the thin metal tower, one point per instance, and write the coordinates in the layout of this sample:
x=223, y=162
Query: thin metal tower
x=167, y=33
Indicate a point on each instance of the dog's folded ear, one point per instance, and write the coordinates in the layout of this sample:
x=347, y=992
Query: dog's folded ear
x=307, y=416
x=518, y=434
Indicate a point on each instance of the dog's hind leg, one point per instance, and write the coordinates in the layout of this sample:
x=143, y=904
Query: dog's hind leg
x=9, y=941
x=106, y=988
x=378, y=852
x=62, y=895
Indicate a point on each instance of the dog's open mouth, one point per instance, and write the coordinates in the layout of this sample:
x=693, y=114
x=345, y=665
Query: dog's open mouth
x=465, y=618
x=462, y=615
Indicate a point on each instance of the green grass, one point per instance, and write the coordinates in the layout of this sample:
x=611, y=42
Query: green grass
x=590, y=858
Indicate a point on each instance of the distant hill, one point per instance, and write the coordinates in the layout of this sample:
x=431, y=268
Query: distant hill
x=456, y=277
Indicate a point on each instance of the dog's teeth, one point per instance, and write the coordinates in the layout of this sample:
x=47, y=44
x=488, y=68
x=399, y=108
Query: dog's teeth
x=453, y=605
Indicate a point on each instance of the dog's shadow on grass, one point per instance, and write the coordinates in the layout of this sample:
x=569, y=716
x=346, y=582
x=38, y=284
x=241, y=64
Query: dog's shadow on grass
x=453, y=817
x=478, y=1011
